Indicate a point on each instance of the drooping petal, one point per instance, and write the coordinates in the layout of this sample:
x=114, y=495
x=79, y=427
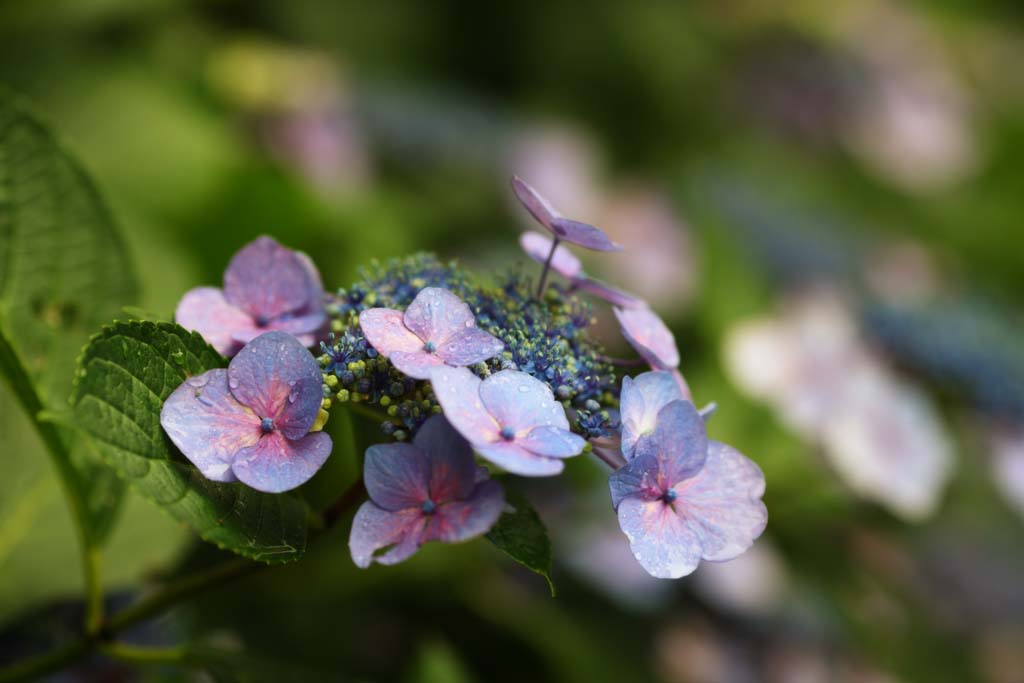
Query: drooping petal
x=462, y=520
x=397, y=475
x=208, y=425
x=661, y=541
x=679, y=441
x=279, y=379
x=552, y=442
x=641, y=399
x=637, y=479
x=276, y=464
x=458, y=392
x=416, y=364
x=722, y=503
x=305, y=328
x=206, y=311
x=452, y=467
x=539, y=207
x=648, y=334
x=374, y=528
x=564, y=262
x=513, y=458
x=469, y=347
x=267, y=280
x=519, y=401
x=436, y=315
x=385, y=329
x=584, y=235
x=606, y=292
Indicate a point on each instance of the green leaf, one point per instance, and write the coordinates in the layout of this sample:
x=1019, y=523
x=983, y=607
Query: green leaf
x=125, y=374
x=63, y=272
x=521, y=535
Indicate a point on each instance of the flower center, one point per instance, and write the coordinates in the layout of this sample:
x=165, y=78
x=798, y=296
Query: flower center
x=429, y=507
x=669, y=496
x=508, y=433
x=429, y=347
x=267, y=425
x=262, y=321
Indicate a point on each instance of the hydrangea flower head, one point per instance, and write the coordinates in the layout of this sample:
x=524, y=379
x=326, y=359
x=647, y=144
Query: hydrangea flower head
x=683, y=498
x=429, y=490
x=575, y=232
x=266, y=287
x=252, y=421
x=510, y=418
x=436, y=329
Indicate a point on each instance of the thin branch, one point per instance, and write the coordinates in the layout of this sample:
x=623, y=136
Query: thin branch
x=547, y=266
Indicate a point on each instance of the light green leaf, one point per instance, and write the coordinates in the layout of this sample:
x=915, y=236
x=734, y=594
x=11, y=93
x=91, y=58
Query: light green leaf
x=63, y=272
x=521, y=535
x=125, y=374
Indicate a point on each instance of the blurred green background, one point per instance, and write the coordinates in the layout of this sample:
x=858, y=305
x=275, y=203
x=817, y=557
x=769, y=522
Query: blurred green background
x=811, y=165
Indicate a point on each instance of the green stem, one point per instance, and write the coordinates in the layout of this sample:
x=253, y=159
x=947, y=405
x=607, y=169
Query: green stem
x=134, y=654
x=22, y=388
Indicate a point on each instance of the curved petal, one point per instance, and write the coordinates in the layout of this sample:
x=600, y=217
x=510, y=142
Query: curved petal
x=469, y=347
x=584, y=235
x=679, y=441
x=552, y=442
x=276, y=464
x=385, y=329
x=267, y=280
x=637, y=479
x=458, y=392
x=465, y=519
x=436, y=315
x=722, y=504
x=374, y=528
x=648, y=334
x=206, y=311
x=396, y=475
x=606, y=292
x=538, y=246
x=641, y=399
x=521, y=402
x=416, y=364
x=452, y=467
x=664, y=545
x=305, y=328
x=208, y=425
x=515, y=459
x=538, y=206
x=279, y=379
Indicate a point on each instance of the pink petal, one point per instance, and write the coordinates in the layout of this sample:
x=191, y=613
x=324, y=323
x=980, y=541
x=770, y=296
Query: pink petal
x=397, y=475
x=606, y=292
x=552, y=442
x=521, y=402
x=722, y=503
x=639, y=478
x=208, y=425
x=436, y=315
x=306, y=328
x=385, y=329
x=642, y=397
x=679, y=442
x=374, y=529
x=465, y=519
x=276, y=464
x=646, y=332
x=469, y=347
x=206, y=311
x=416, y=364
x=279, y=379
x=564, y=262
x=452, y=467
x=584, y=235
x=661, y=541
x=513, y=458
x=532, y=201
x=458, y=392
x=267, y=280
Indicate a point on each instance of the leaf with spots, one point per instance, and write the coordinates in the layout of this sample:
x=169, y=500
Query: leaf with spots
x=124, y=375
x=521, y=535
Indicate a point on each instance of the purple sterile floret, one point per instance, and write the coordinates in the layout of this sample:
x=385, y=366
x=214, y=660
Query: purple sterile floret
x=510, y=418
x=429, y=490
x=266, y=287
x=251, y=421
x=436, y=329
x=649, y=335
x=582, y=234
x=641, y=399
x=683, y=498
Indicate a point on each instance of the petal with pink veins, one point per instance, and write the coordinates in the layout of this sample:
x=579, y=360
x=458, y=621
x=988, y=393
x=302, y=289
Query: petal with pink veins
x=206, y=311
x=374, y=529
x=267, y=280
x=397, y=475
x=436, y=315
x=462, y=520
x=276, y=464
x=469, y=347
x=385, y=329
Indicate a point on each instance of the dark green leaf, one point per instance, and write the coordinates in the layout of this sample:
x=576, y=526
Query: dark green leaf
x=124, y=376
x=521, y=535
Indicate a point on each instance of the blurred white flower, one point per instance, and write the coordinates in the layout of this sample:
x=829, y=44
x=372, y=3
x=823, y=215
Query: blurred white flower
x=1007, y=462
x=753, y=584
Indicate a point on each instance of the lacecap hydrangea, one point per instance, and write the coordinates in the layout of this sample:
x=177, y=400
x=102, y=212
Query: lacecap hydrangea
x=468, y=376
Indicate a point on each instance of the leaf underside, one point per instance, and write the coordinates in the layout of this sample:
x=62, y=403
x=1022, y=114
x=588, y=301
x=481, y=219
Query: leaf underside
x=521, y=535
